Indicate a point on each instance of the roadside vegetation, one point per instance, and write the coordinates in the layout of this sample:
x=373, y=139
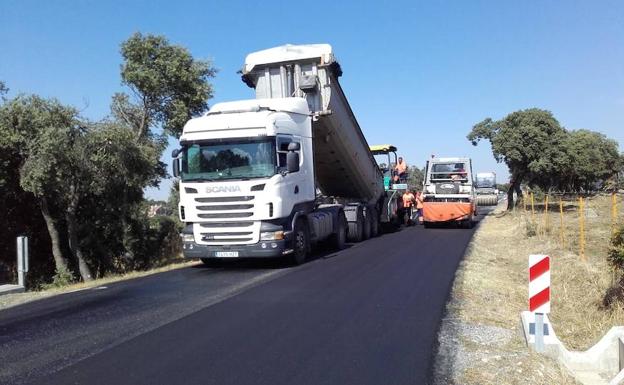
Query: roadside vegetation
x=75, y=186
x=561, y=201
x=542, y=154
x=490, y=291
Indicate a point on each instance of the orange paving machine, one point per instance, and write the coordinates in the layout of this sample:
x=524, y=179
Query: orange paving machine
x=449, y=195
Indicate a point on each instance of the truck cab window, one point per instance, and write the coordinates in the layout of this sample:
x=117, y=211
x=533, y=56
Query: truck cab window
x=282, y=149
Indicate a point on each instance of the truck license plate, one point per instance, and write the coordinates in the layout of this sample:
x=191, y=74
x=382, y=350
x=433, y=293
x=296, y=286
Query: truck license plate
x=226, y=254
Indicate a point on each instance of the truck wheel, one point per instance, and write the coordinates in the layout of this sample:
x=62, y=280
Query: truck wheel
x=339, y=239
x=356, y=230
x=366, y=228
x=301, y=243
x=374, y=223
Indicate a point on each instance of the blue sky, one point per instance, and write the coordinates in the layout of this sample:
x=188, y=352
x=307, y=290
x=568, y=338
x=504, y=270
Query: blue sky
x=417, y=74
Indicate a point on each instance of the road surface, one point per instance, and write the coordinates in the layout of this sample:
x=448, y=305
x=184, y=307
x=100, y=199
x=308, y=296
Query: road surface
x=368, y=314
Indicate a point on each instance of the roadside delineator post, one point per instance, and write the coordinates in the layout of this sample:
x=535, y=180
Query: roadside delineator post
x=561, y=231
x=22, y=260
x=539, y=296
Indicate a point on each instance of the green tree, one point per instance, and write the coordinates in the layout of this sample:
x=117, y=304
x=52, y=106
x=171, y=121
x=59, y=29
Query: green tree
x=3, y=89
x=416, y=177
x=530, y=142
x=22, y=122
x=592, y=160
x=169, y=86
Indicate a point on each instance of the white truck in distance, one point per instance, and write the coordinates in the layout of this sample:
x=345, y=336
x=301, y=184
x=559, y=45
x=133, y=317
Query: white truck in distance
x=272, y=176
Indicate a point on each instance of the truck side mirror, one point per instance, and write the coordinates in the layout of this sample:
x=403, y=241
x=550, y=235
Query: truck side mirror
x=292, y=160
x=294, y=146
x=176, y=167
x=175, y=153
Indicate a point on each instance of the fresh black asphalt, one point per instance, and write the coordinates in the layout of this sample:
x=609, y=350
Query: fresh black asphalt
x=366, y=315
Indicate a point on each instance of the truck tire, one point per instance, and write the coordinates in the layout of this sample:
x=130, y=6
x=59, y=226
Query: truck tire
x=374, y=223
x=356, y=229
x=366, y=228
x=339, y=239
x=301, y=243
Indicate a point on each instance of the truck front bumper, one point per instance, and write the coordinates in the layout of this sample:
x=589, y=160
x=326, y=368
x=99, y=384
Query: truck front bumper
x=263, y=249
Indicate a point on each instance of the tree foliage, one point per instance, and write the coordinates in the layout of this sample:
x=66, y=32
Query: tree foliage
x=169, y=85
x=416, y=177
x=540, y=152
x=83, y=181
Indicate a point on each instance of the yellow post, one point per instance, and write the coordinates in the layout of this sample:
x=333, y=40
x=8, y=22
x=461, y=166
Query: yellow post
x=561, y=231
x=532, y=207
x=546, y=219
x=613, y=211
x=524, y=201
x=582, y=229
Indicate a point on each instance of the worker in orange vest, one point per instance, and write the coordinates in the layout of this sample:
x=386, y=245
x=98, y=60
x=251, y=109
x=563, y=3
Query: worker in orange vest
x=408, y=203
x=419, y=206
x=401, y=170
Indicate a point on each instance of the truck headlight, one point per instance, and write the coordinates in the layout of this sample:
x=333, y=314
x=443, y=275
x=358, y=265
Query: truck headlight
x=272, y=236
x=187, y=237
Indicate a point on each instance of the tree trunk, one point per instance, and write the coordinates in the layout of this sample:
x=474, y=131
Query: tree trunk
x=59, y=261
x=514, y=186
x=510, y=198
x=72, y=235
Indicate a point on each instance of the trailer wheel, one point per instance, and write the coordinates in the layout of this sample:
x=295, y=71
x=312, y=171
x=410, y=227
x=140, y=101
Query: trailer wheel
x=427, y=225
x=301, y=243
x=356, y=229
x=374, y=223
x=339, y=239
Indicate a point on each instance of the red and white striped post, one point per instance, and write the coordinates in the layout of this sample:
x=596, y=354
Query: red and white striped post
x=539, y=294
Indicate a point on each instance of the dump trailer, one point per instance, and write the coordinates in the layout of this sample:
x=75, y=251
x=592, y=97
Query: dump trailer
x=485, y=189
x=449, y=195
x=274, y=175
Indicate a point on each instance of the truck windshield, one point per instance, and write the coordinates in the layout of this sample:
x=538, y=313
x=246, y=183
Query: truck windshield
x=449, y=171
x=231, y=159
x=486, y=181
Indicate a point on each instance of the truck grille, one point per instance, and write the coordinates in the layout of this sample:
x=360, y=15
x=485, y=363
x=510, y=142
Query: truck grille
x=226, y=220
x=226, y=224
x=225, y=199
x=225, y=207
x=231, y=236
x=447, y=188
x=227, y=233
x=225, y=215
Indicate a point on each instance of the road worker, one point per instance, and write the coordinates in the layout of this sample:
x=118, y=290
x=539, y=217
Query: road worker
x=401, y=170
x=419, y=206
x=459, y=172
x=408, y=203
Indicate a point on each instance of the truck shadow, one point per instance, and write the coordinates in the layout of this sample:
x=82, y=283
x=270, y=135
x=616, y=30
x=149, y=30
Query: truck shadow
x=318, y=252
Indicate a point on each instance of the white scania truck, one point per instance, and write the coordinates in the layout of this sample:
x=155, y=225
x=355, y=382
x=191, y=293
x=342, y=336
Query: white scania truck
x=274, y=175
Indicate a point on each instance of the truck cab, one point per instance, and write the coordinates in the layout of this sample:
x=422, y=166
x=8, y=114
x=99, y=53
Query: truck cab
x=237, y=187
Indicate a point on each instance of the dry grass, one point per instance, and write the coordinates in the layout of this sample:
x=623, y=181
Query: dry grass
x=491, y=288
x=10, y=300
